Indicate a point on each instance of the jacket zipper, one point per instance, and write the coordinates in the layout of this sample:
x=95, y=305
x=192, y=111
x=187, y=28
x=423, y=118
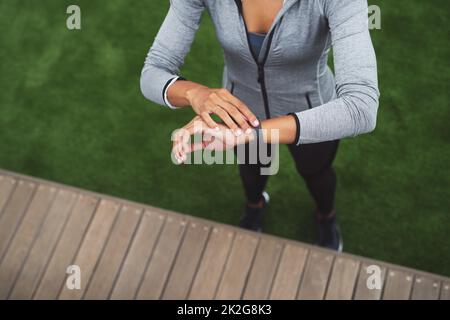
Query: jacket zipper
x=261, y=74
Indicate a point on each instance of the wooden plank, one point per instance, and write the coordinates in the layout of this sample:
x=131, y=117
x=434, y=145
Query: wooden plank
x=263, y=270
x=398, y=285
x=122, y=234
x=316, y=275
x=23, y=240
x=13, y=212
x=92, y=246
x=38, y=248
x=66, y=249
x=445, y=291
x=7, y=185
x=212, y=264
x=425, y=288
x=187, y=261
x=162, y=259
x=363, y=292
x=289, y=273
x=138, y=256
x=43, y=246
x=237, y=267
x=343, y=279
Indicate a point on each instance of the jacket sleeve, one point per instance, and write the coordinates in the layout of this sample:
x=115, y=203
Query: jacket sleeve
x=354, y=111
x=169, y=49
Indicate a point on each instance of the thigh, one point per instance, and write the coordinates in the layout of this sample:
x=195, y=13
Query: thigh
x=312, y=159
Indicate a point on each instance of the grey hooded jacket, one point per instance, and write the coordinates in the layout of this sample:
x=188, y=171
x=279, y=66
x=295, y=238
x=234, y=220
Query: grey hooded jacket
x=291, y=74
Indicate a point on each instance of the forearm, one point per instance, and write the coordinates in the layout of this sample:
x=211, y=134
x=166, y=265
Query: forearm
x=178, y=92
x=282, y=130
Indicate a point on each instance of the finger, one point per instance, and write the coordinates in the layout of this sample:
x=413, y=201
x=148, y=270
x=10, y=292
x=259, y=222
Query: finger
x=219, y=109
x=237, y=116
x=203, y=144
x=227, y=119
x=196, y=128
x=181, y=152
x=182, y=137
x=178, y=138
x=209, y=138
x=198, y=146
x=177, y=153
x=184, y=144
x=241, y=106
x=176, y=145
x=208, y=120
x=216, y=144
x=233, y=112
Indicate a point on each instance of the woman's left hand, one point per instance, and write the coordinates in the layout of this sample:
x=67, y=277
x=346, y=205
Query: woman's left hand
x=218, y=139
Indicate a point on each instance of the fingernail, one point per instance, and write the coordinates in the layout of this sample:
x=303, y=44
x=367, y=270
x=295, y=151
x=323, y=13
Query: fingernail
x=238, y=132
x=248, y=131
x=256, y=123
x=216, y=128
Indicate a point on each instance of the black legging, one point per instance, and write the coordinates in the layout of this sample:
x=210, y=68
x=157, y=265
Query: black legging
x=313, y=163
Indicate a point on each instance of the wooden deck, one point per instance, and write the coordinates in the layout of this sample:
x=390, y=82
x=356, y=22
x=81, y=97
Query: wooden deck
x=127, y=250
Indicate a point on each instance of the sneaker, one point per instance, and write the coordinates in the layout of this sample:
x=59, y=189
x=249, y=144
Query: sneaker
x=253, y=217
x=328, y=233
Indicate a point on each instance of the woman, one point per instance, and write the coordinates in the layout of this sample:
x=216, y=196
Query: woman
x=276, y=77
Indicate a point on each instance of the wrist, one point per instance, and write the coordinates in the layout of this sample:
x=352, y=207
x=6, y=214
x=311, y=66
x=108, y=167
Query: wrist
x=281, y=130
x=191, y=91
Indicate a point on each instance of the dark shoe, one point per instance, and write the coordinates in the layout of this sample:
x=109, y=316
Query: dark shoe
x=253, y=217
x=328, y=233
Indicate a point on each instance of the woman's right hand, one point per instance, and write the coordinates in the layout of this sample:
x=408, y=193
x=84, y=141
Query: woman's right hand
x=234, y=113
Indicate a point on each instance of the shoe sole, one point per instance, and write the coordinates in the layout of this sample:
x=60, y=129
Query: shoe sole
x=341, y=241
x=266, y=197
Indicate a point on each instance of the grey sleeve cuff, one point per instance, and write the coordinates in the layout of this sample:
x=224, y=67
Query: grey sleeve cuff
x=166, y=89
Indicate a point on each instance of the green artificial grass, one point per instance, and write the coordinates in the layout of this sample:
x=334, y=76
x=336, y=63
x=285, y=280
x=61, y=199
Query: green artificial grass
x=71, y=111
